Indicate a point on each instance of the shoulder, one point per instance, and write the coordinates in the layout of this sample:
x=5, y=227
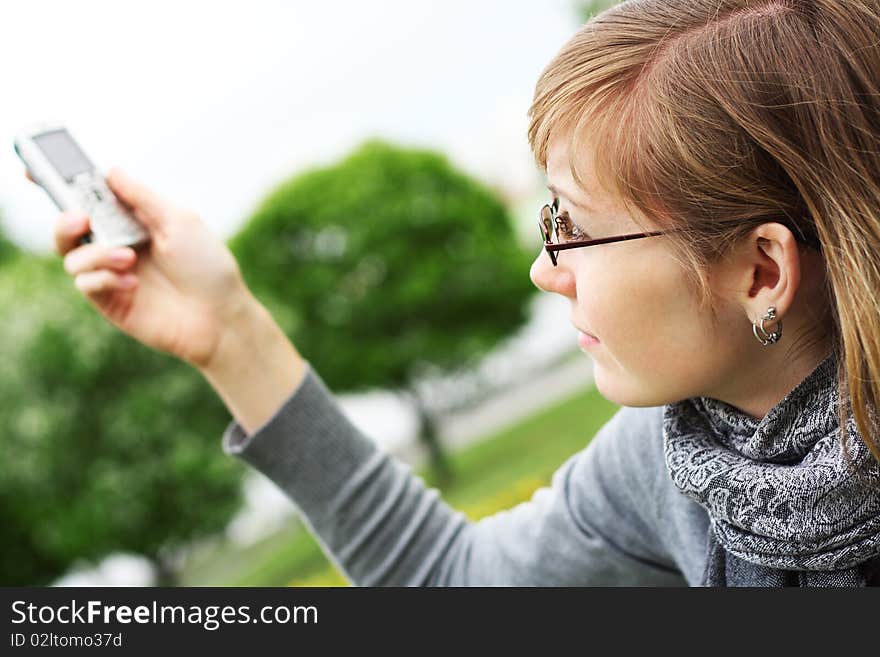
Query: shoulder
x=612, y=484
x=622, y=478
x=628, y=453
x=631, y=443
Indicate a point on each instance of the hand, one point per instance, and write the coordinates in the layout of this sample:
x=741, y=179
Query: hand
x=176, y=294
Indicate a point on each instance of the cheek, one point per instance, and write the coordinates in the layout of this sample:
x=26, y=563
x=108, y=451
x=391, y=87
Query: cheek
x=635, y=302
x=653, y=341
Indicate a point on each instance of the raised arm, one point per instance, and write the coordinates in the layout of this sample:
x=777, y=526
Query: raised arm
x=185, y=295
x=382, y=526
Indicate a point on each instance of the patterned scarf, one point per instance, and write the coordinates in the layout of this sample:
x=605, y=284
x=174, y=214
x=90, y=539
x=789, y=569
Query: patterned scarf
x=784, y=508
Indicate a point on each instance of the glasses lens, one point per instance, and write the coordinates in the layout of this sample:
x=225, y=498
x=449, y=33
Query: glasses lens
x=548, y=230
x=548, y=226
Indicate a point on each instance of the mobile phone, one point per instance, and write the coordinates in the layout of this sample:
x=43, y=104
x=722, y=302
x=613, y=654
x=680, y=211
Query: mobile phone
x=59, y=165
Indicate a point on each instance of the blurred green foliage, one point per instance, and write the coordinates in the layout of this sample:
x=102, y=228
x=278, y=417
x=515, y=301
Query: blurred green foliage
x=107, y=445
x=385, y=267
x=384, y=263
x=8, y=249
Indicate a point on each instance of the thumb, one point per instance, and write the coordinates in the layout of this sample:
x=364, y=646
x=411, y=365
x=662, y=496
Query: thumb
x=147, y=206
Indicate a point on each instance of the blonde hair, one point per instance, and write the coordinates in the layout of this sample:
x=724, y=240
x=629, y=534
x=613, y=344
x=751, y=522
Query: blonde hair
x=713, y=117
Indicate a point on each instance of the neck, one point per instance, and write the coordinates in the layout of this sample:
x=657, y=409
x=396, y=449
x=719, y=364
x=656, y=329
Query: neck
x=770, y=380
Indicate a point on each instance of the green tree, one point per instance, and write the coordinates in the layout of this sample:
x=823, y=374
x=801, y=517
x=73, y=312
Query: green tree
x=7, y=248
x=385, y=266
x=107, y=445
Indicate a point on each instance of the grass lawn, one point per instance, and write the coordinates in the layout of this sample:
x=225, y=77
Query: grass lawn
x=493, y=474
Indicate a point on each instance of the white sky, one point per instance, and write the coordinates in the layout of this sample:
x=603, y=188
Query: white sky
x=212, y=103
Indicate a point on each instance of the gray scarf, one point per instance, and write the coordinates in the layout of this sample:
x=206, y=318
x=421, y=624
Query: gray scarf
x=784, y=508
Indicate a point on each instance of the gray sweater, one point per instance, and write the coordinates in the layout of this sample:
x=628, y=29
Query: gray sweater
x=611, y=516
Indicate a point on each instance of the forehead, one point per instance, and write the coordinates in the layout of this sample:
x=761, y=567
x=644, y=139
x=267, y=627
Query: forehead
x=558, y=163
x=559, y=171
x=587, y=194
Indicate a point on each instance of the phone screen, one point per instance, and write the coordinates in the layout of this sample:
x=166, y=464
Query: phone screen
x=64, y=153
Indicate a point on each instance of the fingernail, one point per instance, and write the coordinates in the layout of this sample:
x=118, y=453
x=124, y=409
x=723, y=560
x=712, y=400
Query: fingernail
x=128, y=281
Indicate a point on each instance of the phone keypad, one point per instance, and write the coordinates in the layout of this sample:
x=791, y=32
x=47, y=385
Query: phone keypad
x=111, y=223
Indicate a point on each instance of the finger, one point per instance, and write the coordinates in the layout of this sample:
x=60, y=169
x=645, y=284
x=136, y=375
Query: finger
x=96, y=256
x=92, y=283
x=148, y=206
x=69, y=228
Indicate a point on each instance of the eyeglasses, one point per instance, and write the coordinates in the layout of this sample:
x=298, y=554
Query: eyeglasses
x=560, y=233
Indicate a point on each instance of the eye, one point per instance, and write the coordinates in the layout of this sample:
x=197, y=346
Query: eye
x=568, y=229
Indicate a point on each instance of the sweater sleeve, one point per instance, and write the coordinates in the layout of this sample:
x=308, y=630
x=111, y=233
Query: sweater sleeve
x=381, y=526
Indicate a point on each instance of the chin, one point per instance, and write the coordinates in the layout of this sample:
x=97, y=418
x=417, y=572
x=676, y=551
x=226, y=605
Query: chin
x=626, y=392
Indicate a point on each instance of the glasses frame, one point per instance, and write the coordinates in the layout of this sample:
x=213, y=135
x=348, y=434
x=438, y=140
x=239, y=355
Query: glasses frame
x=546, y=225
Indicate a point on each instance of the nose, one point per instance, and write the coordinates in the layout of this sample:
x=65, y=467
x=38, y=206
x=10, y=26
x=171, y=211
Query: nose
x=557, y=279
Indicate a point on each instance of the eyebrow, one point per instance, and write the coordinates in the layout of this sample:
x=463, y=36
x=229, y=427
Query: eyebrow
x=559, y=192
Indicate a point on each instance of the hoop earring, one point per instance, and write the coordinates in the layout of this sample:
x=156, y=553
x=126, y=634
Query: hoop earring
x=769, y=338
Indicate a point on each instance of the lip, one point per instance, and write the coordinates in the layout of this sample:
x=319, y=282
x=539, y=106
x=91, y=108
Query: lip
x=586, y=340
x=580, y=330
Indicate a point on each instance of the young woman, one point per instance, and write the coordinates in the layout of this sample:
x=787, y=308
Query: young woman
x=715, y=171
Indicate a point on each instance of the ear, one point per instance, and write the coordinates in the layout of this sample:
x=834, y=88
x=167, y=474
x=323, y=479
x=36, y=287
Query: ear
x=767, y=271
